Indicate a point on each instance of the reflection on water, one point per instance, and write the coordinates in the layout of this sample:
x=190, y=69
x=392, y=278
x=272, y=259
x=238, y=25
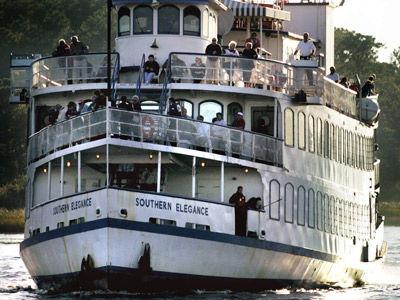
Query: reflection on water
x=383, y=283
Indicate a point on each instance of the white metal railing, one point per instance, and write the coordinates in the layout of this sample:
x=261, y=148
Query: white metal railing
x=59, y=71
x=160, y=129
x=377, y=172
x=339, y=97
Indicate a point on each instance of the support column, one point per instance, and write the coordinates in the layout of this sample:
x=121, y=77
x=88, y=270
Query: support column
x=79, y=172
x=159, y=172
x=62, y=177
x=222, y=181
x=48, y=180
x=107, y=165
x=194, y=177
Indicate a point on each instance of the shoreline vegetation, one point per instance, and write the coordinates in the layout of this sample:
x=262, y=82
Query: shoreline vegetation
x=12, y=220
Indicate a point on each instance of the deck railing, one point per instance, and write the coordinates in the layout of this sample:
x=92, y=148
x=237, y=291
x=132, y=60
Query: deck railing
x=64, y=70
x=159, y=129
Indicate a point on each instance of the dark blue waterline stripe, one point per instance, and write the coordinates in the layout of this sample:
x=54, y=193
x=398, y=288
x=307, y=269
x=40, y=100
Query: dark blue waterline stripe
x=180, y=232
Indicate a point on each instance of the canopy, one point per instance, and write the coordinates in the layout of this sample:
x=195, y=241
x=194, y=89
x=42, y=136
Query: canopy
x=247, y=9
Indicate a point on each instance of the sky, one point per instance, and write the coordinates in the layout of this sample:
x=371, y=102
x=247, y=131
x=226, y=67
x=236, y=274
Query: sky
x=379, y=18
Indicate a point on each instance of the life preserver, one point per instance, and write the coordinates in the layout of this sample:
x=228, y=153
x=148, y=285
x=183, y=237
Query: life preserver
x=147, y=127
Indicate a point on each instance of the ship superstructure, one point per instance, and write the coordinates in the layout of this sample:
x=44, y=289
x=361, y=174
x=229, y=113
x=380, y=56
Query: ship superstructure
x=139, y=200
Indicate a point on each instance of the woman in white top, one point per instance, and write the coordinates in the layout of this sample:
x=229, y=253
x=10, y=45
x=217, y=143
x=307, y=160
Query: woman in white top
x=230, y=65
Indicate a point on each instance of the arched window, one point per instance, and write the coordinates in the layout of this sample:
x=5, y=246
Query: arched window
x=289, y=202
x=319, y=137
x=188, y=105
x=311, y=134
x=289, y=127
x=311, y=208
x=326, y=213
x=209, y=108
x=274, y=199
x=124, y=21
x=301, y=206
x=191, y=21
x=302, y=130
x=205, y=22
x=233, y=109
x=143, y=20
x=326, y=140
x=320, y=211
x=168, y=20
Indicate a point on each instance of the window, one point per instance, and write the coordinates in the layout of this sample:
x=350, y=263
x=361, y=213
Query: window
x=289, y=202
x=124, y=21
x=332, y=214
x=320, y=211
x=209, y=108
x=205, y=22
x=191, y=21
x=326, y=140
x=319, y=137
x=274, y=199
x=311, y=134
x=233, y=109
x=40, y=184
x=340, y=144
x=301, y=206
x=334, y=142
x=302, y=130
x=289, y=127
x=168, y=20
x=143, y=20
x=326, y=213
x=311, y=208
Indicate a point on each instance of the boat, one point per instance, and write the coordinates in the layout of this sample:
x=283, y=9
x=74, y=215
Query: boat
x=144, y=199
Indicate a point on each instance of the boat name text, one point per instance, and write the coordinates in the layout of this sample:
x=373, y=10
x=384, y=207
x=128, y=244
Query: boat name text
x=179, y=207
x=74, y=205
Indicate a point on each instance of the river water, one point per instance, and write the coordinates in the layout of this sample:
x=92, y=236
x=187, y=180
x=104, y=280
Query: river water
x=15, y=282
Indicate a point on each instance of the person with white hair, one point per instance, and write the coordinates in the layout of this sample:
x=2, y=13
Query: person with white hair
x=230, y=64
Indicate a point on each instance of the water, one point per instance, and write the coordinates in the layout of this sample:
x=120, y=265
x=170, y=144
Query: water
x=15, y=282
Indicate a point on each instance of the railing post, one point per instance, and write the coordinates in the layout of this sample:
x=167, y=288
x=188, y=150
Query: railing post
x=62, y=177
x=194, y=177
x=222, y=181
x=253, y=153
x=159, y=172
x=79, y=172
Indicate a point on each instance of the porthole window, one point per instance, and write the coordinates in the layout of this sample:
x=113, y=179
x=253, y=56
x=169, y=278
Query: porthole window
x=168, y=20
x=143, y=20
x=289, y=127
x=191, y=21
x=124, y=21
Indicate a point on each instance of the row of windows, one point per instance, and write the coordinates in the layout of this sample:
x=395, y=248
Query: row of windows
x=168, y=20
x=329, y=140
x=318, y=210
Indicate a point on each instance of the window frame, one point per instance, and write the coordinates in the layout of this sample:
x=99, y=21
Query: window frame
x=134, y=18
x=160, y=25
x=199, y=16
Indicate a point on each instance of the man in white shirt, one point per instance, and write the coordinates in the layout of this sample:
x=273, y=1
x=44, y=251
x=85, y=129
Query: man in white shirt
x=333, y=75
x=305, y=47
x=307, y=50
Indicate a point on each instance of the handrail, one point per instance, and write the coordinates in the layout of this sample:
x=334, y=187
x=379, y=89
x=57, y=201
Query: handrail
x=164, y=93
x=140, y=77
x=115, y=79
x=158, y=129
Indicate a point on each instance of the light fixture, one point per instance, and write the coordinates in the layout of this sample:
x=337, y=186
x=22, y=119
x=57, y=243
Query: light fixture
x=154, y=45
x=97, y=156
x=151, y=156
x=246, y=170
x=68, y=163
x=203, y=164
x=44, y=170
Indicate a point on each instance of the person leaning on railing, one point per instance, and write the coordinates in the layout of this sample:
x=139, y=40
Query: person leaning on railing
x=80, y=63
x=213, y=62
x=307, y=50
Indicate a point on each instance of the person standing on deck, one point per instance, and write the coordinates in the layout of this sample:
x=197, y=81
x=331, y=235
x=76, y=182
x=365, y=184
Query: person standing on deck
x=307, y=50
x=239, y=200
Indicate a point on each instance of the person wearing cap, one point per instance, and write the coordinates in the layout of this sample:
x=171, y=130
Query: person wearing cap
x=333, y=75
x=213, y=49
x=151, y=69
x=239, y=122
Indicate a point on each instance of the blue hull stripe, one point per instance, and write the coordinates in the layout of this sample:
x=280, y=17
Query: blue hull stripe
x=177, y=231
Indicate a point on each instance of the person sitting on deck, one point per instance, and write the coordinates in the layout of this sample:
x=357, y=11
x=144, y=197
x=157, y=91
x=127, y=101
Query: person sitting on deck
x=239, y=200
x=71, y=110
x=239, y=122
x=151, y=69
x=198, y=70
x=125, y=104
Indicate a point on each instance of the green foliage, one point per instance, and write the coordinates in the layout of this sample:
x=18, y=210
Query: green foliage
x=11, y=221
x=12, y=194
x=357, y=54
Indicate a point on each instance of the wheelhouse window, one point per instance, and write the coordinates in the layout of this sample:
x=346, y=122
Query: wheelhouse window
x=168, y=20
x=311, y=134
x=191, y=21
x=124, y=21
x=143, y=20
x=289, y=127
x=209, y=108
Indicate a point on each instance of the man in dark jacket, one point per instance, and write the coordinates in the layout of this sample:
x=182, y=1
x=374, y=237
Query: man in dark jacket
x=239, y=200
x=79, y=62
x=151, y=69
x=213, y=62
x=368, y=88
x=239, y=121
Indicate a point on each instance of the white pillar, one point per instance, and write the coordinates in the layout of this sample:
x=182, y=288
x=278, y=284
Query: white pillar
x=107, y=165
x=48, y=180
x=222, y=181
x=159, y=172
x=79, y=172
x=194, y=177
x=62, y=177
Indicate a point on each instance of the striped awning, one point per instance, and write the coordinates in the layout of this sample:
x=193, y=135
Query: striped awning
x=247, y=9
